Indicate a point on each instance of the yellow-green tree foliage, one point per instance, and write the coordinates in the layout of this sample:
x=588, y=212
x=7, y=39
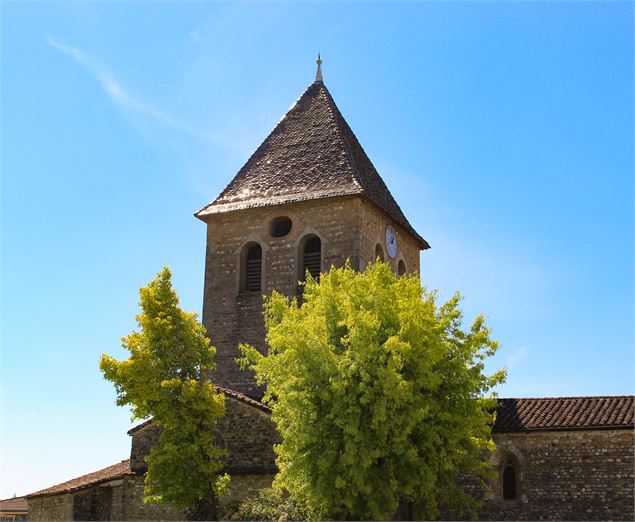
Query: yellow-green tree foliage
x=165, y=377
x=378, y=394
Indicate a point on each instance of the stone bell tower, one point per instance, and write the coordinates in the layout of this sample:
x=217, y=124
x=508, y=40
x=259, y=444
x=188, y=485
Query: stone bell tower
x=307, y=199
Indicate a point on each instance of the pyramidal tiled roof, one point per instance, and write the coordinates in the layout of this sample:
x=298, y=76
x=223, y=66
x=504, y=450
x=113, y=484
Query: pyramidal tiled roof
x=311, y=154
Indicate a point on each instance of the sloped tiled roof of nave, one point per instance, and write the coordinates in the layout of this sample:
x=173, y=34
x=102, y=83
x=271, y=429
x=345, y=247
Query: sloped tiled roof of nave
x=557, y=413
x=311, y=154
x=113, y=472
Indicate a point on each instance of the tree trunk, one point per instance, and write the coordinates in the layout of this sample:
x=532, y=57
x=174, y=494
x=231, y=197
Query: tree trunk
x=205, y=509
x=411, y=510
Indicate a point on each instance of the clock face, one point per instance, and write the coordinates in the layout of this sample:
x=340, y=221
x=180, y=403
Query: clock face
x=391, y=241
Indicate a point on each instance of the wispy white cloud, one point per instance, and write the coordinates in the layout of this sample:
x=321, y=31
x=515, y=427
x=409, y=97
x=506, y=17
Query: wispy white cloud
x=515, y=357
x=121, y=97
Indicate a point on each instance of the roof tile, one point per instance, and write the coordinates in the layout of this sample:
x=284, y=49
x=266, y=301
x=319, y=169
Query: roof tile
x=311, y=154
x=13, y=505
x=103, y=475
x=554, y=413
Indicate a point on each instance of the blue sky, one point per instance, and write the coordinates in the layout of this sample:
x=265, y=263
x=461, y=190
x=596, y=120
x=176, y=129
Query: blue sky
x=503, y=129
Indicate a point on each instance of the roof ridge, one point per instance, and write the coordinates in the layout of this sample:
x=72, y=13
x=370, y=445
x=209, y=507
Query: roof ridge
x=225, y=391
x=340, y=121
x=243, y=398
x=258, y=148
x=565, y=397
x=333, y=110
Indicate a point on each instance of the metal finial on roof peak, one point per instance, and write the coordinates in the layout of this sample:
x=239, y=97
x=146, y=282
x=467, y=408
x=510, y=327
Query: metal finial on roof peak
x=318, y=75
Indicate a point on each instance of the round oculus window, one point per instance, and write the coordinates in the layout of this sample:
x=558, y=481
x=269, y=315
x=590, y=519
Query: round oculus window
x=280, y=226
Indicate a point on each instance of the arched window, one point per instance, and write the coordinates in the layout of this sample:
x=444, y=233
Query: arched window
x=252, y=269
x=311, y=258
x=379, y=253
x=509, y=482
x=401, y=268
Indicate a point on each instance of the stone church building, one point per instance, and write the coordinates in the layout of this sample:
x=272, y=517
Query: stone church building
x=307, y=199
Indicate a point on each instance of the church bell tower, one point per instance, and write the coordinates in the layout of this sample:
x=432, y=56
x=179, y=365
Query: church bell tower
x=307, y=199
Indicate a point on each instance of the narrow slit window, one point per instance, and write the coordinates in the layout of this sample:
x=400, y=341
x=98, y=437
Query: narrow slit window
x=401, y=268
x=312, y=258
x=509, y=483
x=253, y=269
x=379, y=253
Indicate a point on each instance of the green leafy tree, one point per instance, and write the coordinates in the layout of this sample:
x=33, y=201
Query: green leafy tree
x=165, y=377
x=378, y=394
x=272, y=504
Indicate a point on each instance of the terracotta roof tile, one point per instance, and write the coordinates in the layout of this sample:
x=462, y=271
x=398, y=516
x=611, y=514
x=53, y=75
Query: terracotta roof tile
x=103, y=475
x=311, y=154
x=558, y=413
x=14, y=505
x=243, y=398
x=547, y=413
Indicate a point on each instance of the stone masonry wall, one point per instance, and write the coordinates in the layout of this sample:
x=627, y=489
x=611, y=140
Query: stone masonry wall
x=52, y=507
x=565, y=475
x=240, y=488
x=562, y=475
x=232, y=316
x=247, y=434
x=93, y=503
x=124, y=501
x=135, y=509
x=349, y=228
x=373, y=232
x=143, y=440
x=118, y=499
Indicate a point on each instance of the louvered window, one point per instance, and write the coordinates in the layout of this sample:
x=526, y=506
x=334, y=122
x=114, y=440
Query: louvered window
x=253, y=269
x=509, y=483
x=379, y=253
x=312, y=258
